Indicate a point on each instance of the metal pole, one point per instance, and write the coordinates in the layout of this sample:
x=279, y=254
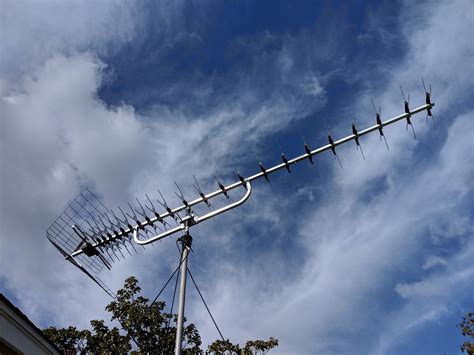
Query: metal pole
x=186, y=241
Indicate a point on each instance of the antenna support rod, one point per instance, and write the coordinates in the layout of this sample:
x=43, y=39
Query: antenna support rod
x=186, y=242
x=243, y=182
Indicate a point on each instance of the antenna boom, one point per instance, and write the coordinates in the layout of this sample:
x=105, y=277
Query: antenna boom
x=256, y=176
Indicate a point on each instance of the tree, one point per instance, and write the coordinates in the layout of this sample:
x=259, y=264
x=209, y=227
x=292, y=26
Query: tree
x=69, y=340
x=103, y=340
x=148, y=327
x=260, y=346
x=220, y=347
x=100, y=340
x=467, y=330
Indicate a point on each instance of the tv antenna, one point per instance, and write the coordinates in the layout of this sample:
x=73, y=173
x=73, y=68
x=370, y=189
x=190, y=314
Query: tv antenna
x=91, y=236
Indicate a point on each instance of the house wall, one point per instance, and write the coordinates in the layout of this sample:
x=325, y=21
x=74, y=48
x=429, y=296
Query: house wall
x=18, y=334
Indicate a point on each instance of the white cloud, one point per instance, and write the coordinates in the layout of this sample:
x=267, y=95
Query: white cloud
x=428, y=300
x=33, y=31
x=53, y=131
x=433, y=261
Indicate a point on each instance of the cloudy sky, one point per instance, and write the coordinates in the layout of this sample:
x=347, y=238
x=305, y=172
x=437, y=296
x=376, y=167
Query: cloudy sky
x=125, y=97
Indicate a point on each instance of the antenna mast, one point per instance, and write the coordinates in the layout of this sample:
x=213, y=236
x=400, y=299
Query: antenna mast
x=91, y=236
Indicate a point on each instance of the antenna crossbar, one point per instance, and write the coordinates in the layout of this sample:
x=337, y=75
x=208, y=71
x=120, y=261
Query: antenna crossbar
x=243, y=182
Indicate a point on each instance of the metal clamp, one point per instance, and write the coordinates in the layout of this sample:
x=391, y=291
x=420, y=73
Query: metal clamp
x=192, y=220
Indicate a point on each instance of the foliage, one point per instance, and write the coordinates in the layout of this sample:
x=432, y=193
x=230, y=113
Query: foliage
x=69, y=340
x=100, y=340
x=467, y=330
x=104, y=340
x=148, y=327
x=220, y=347
x=260, y=346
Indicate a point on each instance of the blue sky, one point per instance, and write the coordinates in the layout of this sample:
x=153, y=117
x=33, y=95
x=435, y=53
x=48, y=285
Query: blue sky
x=126, y=97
